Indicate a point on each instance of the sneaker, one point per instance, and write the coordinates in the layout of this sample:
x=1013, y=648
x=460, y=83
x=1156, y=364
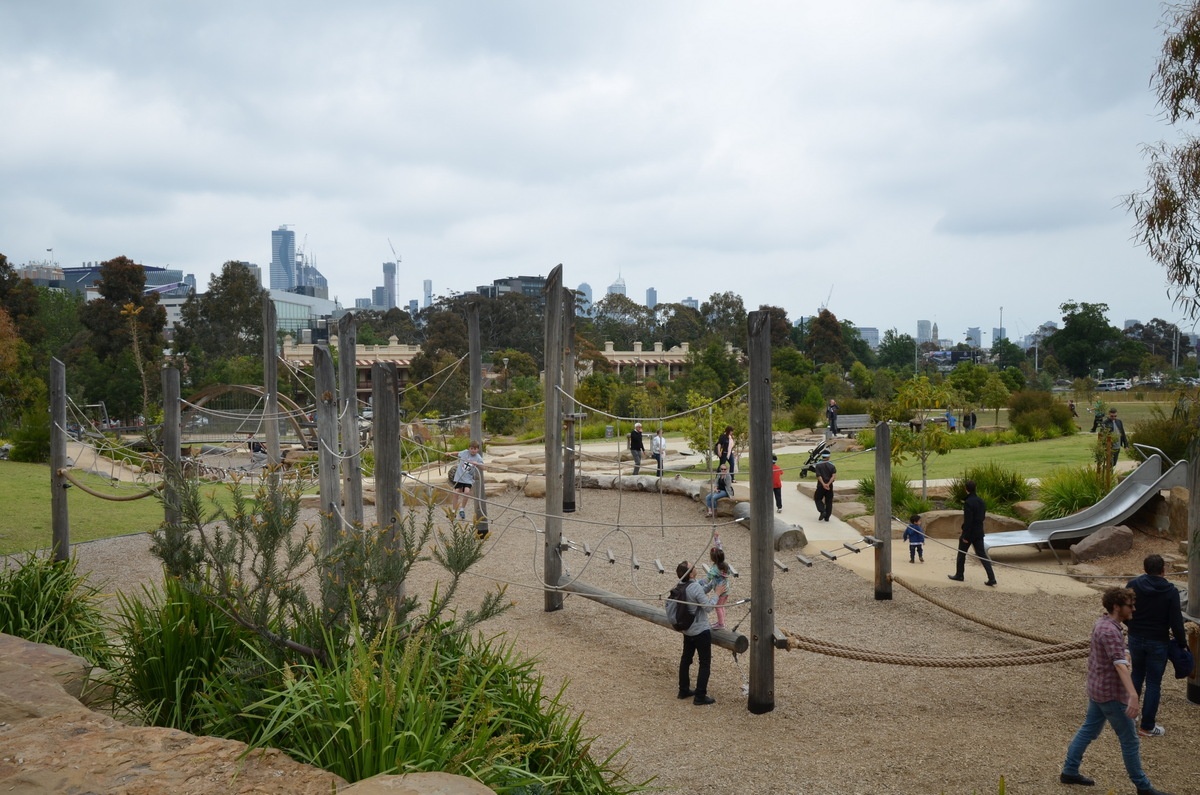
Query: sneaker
x=685, y=694
x=778, y=510
x=1076, y=778
x=703, y=701
x=1157, y=731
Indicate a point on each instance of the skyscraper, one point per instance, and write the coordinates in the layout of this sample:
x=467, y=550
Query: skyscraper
x=974, y=337
x=585, y=294
x=998, y=334
x=428, y=293
x=617, y=287
x=283, y=258
x=690, y=303
x=651, y=298
x=924, y=334
x=389, y=284
x=413, y=309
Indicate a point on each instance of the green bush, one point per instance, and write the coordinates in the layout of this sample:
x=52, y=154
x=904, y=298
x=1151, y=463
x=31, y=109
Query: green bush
x=47, y=601
x=434, y=700
x=1034, y=409
x=173, y=642
x=1068, y=490
x=804, y=416
x=999, y=488
x=904, y=501
x=31, y=441
x=866, y=438
x=1172, y=433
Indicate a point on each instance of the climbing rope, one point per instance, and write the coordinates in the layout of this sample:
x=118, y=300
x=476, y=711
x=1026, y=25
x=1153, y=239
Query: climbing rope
x=66, y=474
x=896, y=578
x=1047, y=654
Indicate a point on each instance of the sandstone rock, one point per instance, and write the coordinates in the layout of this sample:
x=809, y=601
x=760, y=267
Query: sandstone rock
x=948, y=524
x=1103, y=543
x=1027, y=509
x=844, y=509
x=535, y=487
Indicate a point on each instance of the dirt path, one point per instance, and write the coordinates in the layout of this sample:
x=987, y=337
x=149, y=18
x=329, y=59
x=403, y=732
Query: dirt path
x=839, y=726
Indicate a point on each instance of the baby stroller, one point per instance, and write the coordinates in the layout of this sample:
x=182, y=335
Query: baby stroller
x=814, y=458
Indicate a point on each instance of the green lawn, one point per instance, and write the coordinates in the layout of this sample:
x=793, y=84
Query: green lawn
x=1033, y=460
x=25, y=523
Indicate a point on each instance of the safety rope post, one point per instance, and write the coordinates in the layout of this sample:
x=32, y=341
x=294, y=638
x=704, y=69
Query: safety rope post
x=60, y=520
x=170, y=442
x=475, y=369
x=883, y=511
x=552, y=553
x=327, y=451
x=351, y=463
x=568, y=379
x=271, y=380
x=1193, y=682
x=762, y=519
x=389, y=504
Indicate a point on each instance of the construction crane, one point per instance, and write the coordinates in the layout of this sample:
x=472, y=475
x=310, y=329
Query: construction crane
x=393, y=248
x=825, y=305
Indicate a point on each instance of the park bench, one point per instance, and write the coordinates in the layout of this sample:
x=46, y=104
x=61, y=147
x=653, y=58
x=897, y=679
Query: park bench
x=850, y=424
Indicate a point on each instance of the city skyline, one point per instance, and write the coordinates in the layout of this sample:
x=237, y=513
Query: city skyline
x=967, y=153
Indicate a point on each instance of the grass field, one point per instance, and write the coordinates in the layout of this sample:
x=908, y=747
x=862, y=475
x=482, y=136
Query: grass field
x=25, y=523
x=1033, y=460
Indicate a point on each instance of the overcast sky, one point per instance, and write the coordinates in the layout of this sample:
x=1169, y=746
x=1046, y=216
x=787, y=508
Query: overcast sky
x=902, y=160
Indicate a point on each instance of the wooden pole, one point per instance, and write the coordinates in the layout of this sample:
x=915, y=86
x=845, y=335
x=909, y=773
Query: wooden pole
x=171, y=434
x=1193, y=606
x=475, y=356
x=762, y=520
x=60, y=521
x=352, y=488
x=552, y=554
x=568, y=379
x=271, y=379
x=725, y=638
x=883, y=511
x=327, y=449
x=389, y=502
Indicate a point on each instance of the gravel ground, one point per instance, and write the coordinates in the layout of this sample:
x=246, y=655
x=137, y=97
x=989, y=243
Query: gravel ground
x=839, y=726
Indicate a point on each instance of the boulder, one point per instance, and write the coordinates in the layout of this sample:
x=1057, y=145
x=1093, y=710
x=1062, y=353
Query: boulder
x=1027, y=509
x=948, y=524
x=1103, y=543
x=535, y=487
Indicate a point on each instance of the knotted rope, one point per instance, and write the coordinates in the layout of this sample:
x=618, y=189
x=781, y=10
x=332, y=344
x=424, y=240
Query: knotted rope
x=110, y=497
x=1048, y=654
x=896, y=578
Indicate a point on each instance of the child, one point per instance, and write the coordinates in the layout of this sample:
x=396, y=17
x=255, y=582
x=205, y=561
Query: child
x=469, y=462
x=718, y=574
x=915, y=537
x=777, y=483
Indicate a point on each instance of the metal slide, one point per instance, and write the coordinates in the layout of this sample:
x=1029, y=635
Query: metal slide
x=1118, y=505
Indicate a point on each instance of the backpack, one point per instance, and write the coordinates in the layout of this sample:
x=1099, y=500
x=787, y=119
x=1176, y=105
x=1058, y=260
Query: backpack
x=679, y=613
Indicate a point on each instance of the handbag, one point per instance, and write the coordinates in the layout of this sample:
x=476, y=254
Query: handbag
x=1181, y=657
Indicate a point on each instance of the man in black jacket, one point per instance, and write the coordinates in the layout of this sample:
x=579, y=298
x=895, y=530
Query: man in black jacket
x=974, y=512
x=1156, y=616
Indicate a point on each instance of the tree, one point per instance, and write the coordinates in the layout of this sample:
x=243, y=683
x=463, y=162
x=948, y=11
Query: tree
x=1006, y=354
x=1086, y=339
x=725, y=318
x=918, y=395
x=859, y=349
x=994, y=395
x=1167, y=212
x=620, y=320
x=826, y=345
x=781, y=327
x=122, y=282
x=896, y=351
x=223, y=323
x=676, y=324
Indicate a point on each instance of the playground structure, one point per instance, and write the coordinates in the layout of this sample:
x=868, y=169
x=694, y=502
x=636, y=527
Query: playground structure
x=337, y=476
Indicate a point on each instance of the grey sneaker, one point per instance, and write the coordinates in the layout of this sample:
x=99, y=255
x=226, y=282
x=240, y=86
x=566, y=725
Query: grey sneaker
x=1157, y=731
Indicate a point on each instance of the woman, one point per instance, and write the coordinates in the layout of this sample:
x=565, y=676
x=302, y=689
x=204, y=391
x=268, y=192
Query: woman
x=720, y=489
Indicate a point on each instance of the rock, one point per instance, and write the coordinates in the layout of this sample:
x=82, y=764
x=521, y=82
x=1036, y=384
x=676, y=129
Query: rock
x=1103, y=543
x=948, y=524
x=51, y=743
x=535, y=487
x=842, y=510
x=418, y=784
x=1027, y=509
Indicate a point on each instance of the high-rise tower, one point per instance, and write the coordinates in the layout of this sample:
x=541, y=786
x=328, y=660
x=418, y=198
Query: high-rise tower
x=389, y=284
x=428, y=293
x=283, y=258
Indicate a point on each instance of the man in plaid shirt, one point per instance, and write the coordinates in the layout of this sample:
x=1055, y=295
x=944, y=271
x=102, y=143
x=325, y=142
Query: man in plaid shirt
x=1111, y=696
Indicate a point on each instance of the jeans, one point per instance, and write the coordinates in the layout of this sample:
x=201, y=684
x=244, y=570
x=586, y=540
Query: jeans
x=1114, y=713
x=1148, y=659
x=659, y=458
x=711, y=500
x=696, y=644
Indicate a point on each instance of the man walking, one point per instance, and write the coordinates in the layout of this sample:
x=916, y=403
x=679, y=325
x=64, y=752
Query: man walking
x=1111, y=696
x=974, y=512
x=826, y=474
x=637, y=448
x=1116, y=434
x=697, y=639
x=658, y=450
x=1156, y=617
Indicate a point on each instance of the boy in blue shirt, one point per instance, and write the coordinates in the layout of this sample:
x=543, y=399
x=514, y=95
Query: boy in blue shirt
x=915, y=537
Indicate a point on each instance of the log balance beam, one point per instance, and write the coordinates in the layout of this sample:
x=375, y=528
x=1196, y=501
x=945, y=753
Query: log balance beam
x=725, y=638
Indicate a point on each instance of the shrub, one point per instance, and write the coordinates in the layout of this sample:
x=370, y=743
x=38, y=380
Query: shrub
x=1173, y=433
x=47, y=601
x=173, y=643
x=854, y=406
x=999, y=488
x=903, y=498
x=866, y=438
x=804, y=416
x=1068, y=490
x=31, y=441
x=1036, y=409
x=434, y=700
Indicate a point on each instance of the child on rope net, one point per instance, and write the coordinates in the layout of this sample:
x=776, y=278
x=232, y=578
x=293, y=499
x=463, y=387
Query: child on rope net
x=718, y=574
x=914, y=534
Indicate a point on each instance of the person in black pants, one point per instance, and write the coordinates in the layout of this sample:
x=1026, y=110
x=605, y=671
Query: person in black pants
x=697, y=639
x=972, y=536
x=826, y=473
